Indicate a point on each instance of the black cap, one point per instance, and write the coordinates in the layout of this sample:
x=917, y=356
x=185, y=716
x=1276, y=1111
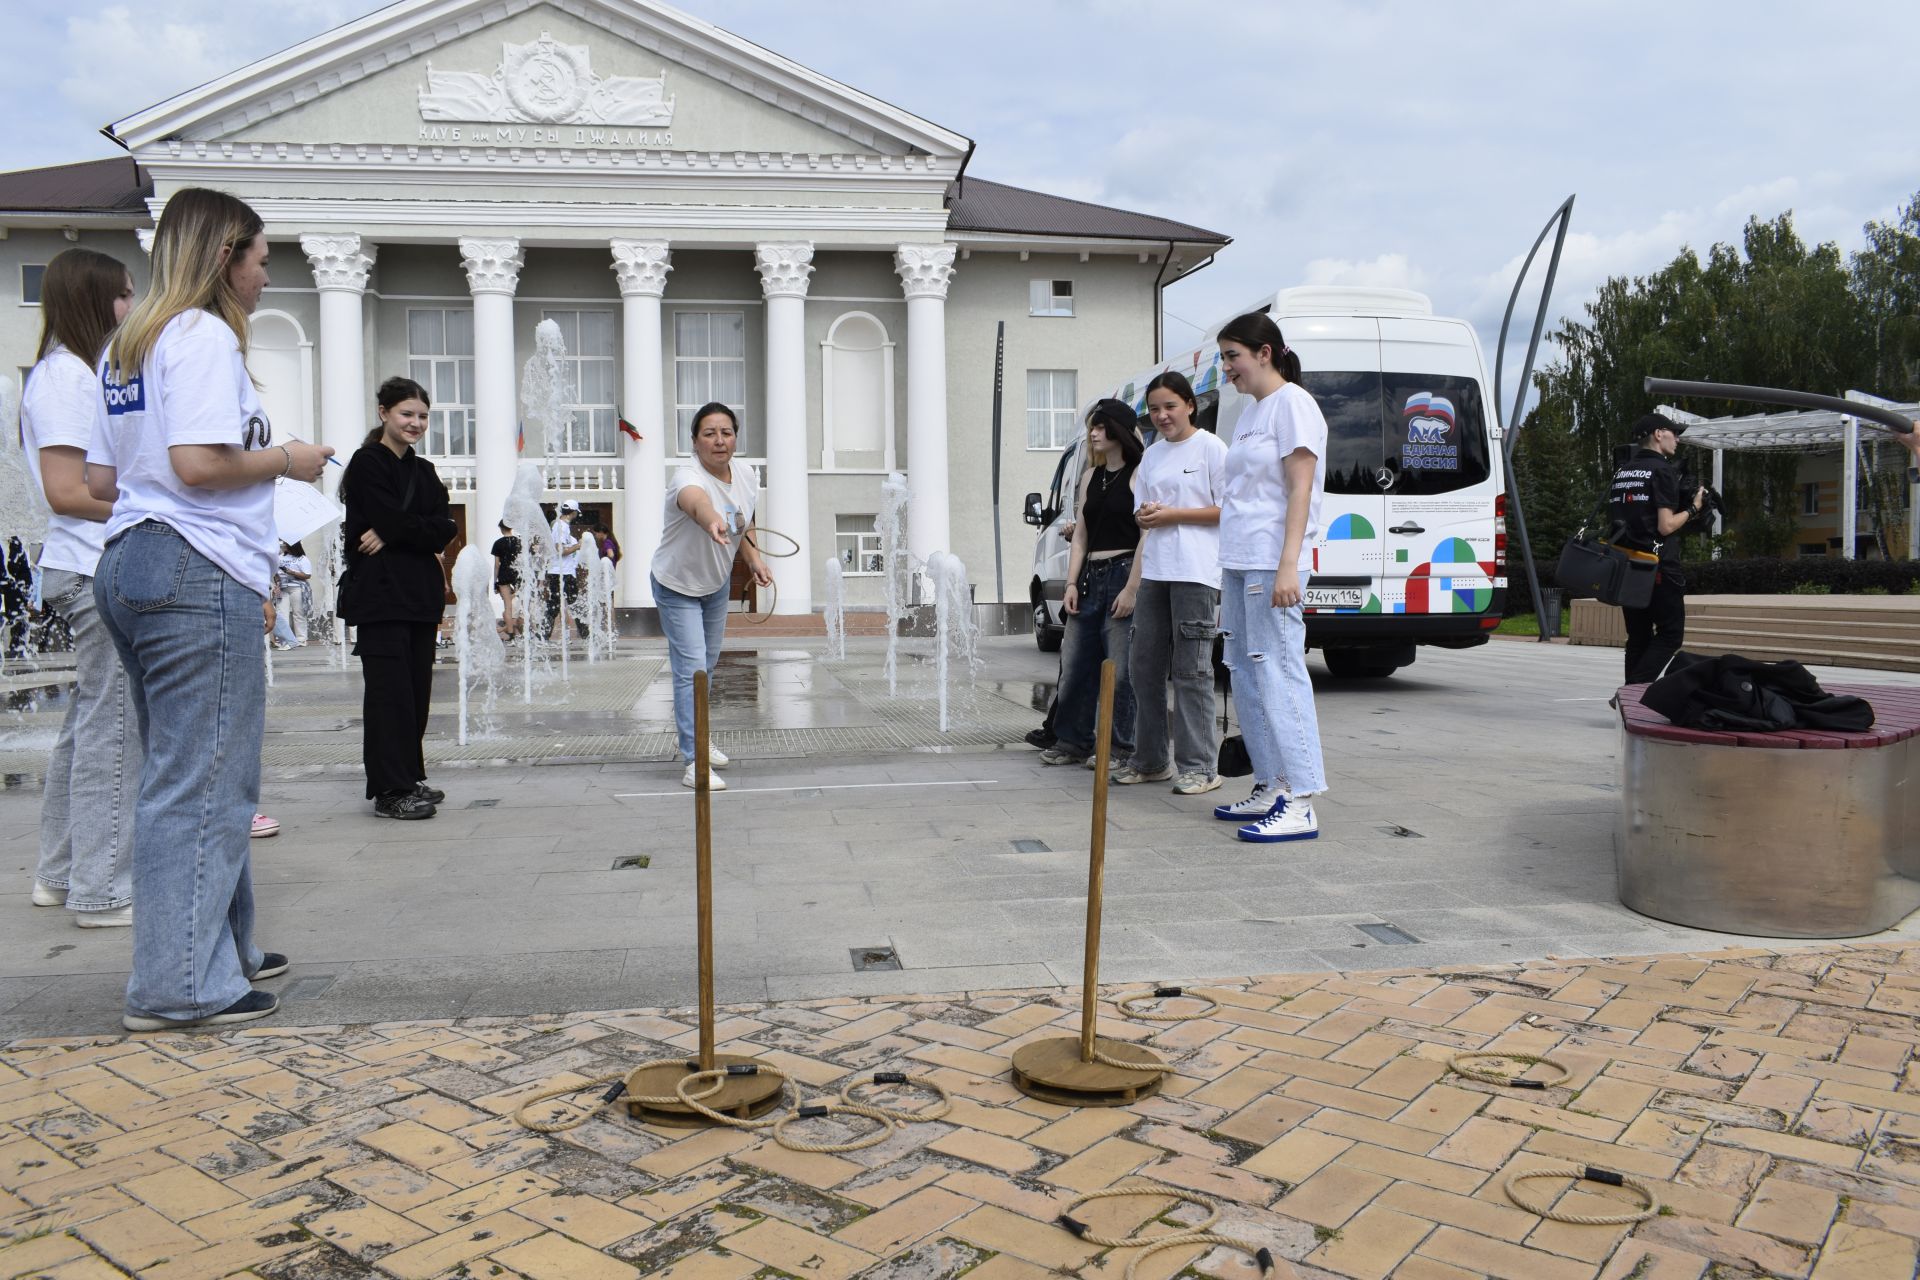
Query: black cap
x=1116, y=413
x=1652, y=422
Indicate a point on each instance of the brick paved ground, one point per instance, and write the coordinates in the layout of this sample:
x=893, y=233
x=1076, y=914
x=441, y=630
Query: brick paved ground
x=1773, y=1099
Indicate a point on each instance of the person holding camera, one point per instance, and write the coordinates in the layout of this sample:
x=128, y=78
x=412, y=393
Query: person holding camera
x=1649, y=507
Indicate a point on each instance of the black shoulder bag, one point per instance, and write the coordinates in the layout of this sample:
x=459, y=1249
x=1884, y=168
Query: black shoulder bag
x=1591, y=565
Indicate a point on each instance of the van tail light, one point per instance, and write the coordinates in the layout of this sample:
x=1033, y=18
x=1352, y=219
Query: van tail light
x=1500, y=533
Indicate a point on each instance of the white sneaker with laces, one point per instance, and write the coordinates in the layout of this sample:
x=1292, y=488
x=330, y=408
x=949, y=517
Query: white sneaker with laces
x=1266, y=799
x=716, y=758
x=1196, y=784
x=1296, y=821
x=714, y=781
x=45, y=895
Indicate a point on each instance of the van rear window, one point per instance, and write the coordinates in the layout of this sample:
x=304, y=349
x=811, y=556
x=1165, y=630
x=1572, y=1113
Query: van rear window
x=1428, y=431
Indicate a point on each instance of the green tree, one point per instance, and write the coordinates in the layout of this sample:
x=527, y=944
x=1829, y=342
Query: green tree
x=1886, y=281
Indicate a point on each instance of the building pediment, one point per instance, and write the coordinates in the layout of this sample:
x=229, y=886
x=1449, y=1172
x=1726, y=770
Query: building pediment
x=556, y=73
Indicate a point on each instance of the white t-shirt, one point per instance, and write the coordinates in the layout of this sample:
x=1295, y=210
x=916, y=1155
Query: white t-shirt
x=299, y=564
x=687, y=560
x=1253, y=519
x=1192, y=473
x=59, y=406
x=194, y=389
x=568, y=564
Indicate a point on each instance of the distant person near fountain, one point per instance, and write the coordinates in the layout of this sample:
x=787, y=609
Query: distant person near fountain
x=1179, y=488
x=708, y=521
x=395, y=593
x=1103, y=577
x=506, y=580
x=1269, y=524
x=563, y=580
x=93, y=775
x=187, y=457
x=294, y=585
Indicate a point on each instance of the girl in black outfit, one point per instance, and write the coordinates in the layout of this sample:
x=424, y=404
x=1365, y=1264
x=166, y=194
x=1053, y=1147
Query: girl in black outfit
x=506, y=579
x=395, y=594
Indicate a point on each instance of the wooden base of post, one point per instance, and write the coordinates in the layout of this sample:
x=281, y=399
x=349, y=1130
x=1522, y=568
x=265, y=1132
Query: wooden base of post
x=1051, y=1070
x=743, y=1097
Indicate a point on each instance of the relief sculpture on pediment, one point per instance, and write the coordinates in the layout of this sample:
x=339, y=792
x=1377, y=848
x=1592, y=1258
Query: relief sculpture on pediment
x=545, y=82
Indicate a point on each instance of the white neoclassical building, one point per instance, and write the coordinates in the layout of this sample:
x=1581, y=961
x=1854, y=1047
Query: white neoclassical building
x=704, y=220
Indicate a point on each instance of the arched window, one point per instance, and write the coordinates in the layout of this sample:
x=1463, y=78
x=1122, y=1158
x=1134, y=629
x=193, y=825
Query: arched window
x=856, y=395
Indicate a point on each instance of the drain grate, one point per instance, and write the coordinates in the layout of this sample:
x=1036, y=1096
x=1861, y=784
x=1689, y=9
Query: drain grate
x=311, y=987
x=1031, y=846
x=482, y=804
x=1391, y=935
x=871, y=959
x=632, y=862
x=1405, y=833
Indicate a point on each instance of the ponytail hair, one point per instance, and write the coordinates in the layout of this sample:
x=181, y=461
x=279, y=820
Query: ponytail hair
x=392, y=392
x=1255, y=330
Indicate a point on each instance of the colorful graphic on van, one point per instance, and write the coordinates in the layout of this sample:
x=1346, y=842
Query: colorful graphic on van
x=1431, y=442
x=1351, y=527
x=1451, y=582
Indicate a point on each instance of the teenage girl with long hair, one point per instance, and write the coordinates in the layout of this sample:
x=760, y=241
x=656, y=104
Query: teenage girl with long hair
x=1269, y=525
x=93, y=775
x=187, y=456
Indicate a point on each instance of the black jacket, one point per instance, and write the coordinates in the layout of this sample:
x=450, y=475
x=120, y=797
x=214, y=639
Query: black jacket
x=1643, y=484
x=403, y=581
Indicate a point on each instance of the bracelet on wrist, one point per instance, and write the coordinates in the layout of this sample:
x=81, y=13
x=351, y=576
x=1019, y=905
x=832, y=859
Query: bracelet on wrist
x=288, y=469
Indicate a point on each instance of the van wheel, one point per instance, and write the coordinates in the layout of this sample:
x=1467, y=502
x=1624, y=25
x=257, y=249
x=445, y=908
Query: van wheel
x=1357, y=664
x=1044, y=633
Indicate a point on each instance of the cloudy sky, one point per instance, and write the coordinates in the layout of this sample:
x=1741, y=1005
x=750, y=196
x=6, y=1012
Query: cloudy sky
x=1403, y=143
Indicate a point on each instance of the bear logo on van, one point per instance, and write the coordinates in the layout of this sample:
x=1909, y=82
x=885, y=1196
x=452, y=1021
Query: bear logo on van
x=1430, y=438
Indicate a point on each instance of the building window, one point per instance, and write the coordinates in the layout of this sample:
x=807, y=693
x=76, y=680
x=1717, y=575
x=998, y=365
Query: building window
x=1809, y=499
x=1812, y=550
x=1051, y=408
x=856, y=393
x=440, y=358
x=709, y=364
x=1050, y=298
x=31, y=274
x=588, y=380
x=858, y=546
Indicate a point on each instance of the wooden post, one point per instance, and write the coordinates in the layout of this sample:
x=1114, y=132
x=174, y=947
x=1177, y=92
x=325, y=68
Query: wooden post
x=703, y=864
x=1097, y=862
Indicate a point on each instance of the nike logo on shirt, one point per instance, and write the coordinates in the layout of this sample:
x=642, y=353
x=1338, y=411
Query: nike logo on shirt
x=1189, y=471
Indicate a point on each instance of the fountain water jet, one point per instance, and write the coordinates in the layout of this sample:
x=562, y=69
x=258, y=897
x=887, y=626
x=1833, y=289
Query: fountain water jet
x=897, y=566
x=524, y=517
x=476, y=640
x=836, y=609
x=955, y=633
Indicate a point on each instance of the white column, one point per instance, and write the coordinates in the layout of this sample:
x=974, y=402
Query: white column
x=1849, y=484
x=340, y=268
x=493, y=272
x=925, y=270
x=784, y=269
x=641, y=266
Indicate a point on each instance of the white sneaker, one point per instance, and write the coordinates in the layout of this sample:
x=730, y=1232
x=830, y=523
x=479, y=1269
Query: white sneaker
x=714, y=781
x=1266, y=799
x=119, y=918
x=716, y=758
x=45, y=895
x=1295, y=821
x=1196, y=784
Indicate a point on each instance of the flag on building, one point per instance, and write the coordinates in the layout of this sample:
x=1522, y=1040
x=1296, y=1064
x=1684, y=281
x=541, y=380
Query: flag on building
x=629, y=429
x=519, y=437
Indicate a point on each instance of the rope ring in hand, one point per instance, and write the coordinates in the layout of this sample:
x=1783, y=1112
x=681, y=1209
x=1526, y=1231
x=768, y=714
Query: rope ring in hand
x=1586, y=1173
x=1125, y=1004
x=761, y=531
x=939, y=1109
x=1461, y=1064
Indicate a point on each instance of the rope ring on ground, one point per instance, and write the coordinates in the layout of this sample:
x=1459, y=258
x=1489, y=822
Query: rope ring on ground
x=1461, y=1064
x=1179, y=1236
x=815, y=1110
x=1125, y=1004
x=1586, y=1173
x=939, y=1109
x=1107, y=1059
x=1261, y=1255
x=720, y=1074
x=562, y=1124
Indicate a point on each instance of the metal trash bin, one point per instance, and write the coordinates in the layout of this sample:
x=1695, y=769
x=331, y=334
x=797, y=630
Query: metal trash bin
x=1552, y=599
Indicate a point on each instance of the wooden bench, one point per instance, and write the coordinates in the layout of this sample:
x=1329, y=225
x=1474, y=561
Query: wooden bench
x=1880, y=632
x=1800, y=834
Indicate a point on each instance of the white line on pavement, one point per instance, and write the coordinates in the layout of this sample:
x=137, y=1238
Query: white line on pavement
x=836, y=786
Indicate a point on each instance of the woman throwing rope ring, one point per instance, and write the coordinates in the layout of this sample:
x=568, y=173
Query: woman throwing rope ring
x=708, y=521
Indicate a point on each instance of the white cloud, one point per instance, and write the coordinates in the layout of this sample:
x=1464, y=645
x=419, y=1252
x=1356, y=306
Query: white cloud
x=1388, y=271
x=122, y=62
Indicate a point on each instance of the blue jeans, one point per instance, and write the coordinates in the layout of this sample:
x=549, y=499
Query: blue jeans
x=190, y=639
x=86, y=816
x=694, y=627
x=1093, y=636
x=1267, y=652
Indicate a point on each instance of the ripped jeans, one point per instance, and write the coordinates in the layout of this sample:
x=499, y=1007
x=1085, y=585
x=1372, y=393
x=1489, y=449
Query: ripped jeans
x=1266, y=651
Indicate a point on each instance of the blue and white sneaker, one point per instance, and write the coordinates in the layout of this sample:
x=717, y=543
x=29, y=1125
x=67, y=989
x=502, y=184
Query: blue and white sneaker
x=1266, y=799
x=1295, y=821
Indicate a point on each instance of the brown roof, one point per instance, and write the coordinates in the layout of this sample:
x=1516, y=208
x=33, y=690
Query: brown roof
x=114, y=186
x=975, y=204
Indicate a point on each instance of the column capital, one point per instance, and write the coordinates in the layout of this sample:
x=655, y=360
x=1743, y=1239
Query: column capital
x=338, y=261
x=641, y=266
x=145, y=236
x=924, y=269
x=784, y=268
x=492, y=264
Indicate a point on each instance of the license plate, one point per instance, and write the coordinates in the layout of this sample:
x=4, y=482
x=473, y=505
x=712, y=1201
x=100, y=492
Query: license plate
x=1334, y=597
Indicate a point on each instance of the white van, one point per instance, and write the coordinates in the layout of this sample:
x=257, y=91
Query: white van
x=1415, y=508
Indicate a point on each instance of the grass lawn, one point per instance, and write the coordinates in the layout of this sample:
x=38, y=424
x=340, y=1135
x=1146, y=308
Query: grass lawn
x=1526, y=624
